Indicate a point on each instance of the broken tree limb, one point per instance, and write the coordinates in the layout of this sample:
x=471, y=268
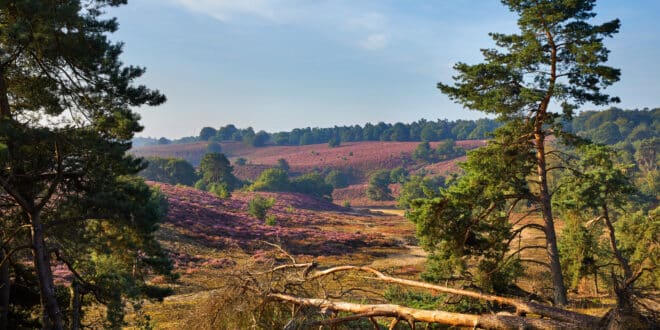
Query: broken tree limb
x=576, y=319
x=489, y=321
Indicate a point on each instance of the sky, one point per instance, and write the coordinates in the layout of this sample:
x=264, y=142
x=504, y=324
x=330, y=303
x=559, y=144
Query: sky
x=276, y=65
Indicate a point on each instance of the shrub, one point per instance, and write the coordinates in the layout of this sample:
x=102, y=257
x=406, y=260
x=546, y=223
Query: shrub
x=240, y=161
x=271, y=220
x=378, y=188
x=220, y=189
x=213, y=147
x=399, y=175
x=337, y=179
x=169, y=170
x=272, y=179
x=259, y=206
x=283, y=165
x=312, y=184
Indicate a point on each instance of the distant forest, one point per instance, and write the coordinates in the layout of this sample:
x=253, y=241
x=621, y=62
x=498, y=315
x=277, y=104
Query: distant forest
x=607, y=127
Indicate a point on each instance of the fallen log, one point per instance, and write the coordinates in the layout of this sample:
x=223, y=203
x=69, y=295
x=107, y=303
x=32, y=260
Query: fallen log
x=412, y=315
x=575, y=319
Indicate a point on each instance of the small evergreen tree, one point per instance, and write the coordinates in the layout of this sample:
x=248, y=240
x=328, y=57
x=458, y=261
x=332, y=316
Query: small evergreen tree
x=378, y=188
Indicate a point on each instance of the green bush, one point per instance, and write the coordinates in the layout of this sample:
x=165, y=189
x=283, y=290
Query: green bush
x=272, y=179
x=312, y=184
x=258, y=206
x=378, y=188
x=337, y=179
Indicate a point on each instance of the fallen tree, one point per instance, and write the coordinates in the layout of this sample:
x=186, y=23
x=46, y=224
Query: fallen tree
x=294, y=295
x=528, y=315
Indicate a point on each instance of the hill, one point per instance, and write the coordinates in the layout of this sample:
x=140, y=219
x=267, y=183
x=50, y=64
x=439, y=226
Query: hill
x=360, y=156
x=302, y=222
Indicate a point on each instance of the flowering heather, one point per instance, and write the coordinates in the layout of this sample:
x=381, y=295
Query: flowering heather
x=301, y=228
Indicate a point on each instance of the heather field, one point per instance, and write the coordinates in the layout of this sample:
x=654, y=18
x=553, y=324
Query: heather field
x=208, y=238
x=361, y=156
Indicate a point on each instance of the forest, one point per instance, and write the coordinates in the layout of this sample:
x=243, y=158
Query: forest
x=540, y=217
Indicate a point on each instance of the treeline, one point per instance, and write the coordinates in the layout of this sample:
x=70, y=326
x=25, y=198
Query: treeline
x=422, y=130
x=607, y=127
x=616, y=125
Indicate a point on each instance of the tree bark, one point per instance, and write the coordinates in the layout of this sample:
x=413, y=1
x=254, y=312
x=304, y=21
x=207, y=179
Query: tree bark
x=4, y=97
x=52, y=317
x=559, y=290
x=5, y=287
x=489, y=321
x=75, y=305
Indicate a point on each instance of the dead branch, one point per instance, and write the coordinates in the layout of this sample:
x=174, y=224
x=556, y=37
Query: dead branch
x=578, y=319
x=489, y=321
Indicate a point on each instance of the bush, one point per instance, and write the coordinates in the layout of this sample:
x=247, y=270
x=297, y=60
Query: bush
x=213, y=147
x=283, y=165
x=399, y=175
x=220, y=189
x=169, y=170
x=240, y=161
x=419, y=187
x=378, y=188
x=337, y=179
x=271, y=220
x=272, y=179
x=259, y=206
x=312, y=184
x=215, y=168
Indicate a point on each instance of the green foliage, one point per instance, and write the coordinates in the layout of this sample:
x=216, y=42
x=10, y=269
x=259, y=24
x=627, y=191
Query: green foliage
x=260, y=139
x=271, y=220
x=427, y=301
x=466, y=227
x=272, y=179
x=213, y=148
x=219, y=189
x=557, y=56
x=378, y=188
x=207, y=133
x=447, y=149
x=334, y=142
x=598, y=194
x=419, y=187
x=66, y=122
x=258, y=206
x=423, y=153
x=214, y=168
x=579, y=248
x=240, y=161
x=169, y=170
x=337, y=179
x=312, y=184
x=283, y=165
x=399, y=175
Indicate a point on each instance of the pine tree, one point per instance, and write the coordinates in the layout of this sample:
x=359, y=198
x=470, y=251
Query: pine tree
x=556, y=58
x=65, y=126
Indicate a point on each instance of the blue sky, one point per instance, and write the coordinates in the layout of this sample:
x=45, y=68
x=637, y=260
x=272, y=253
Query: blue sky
x=280, y=64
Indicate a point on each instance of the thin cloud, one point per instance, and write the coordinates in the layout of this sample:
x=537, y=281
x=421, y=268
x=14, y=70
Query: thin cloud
x=375, y=41
x=366, y=30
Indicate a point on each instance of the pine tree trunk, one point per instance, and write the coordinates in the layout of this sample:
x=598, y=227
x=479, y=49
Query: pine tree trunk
x=52, y=318
x=559, y=293
x=75, y=305
x=5, y=287
x=4, y=99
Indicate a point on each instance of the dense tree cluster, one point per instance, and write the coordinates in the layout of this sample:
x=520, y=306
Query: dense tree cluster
x=277, y=179
x=69, y=197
